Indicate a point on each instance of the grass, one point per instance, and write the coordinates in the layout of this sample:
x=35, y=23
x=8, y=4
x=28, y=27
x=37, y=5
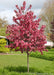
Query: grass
x=17, y=65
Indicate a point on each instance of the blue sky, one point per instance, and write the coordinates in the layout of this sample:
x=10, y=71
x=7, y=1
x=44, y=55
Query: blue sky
x=7, y=7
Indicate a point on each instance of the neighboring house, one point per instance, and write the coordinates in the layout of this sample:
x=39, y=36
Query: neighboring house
x=3, y=37
x=49, y=43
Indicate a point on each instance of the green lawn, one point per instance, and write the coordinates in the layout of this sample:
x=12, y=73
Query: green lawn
x=46, y=55
x=17, y=65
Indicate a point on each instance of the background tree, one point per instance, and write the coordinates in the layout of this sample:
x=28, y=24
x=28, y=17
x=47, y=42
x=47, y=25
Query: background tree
x=52, y=33
x=3, y=26
x=25, y=36
x=3, y=22
x=47, y=14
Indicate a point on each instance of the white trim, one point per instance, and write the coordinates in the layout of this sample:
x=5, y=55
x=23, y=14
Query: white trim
x=3, y=37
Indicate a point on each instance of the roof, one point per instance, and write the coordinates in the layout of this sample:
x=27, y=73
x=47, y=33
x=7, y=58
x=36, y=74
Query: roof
x=3, y=37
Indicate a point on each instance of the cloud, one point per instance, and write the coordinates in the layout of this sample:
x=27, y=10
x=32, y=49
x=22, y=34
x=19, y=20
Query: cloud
x=10, y=4
x=36, y=11
x=9, y=14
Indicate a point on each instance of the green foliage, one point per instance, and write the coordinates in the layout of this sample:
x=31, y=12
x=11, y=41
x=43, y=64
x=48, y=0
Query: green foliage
x=2, y=46
x=47, y=56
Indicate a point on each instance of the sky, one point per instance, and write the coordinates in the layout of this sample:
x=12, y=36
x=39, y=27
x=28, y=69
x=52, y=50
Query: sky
x=7, y=7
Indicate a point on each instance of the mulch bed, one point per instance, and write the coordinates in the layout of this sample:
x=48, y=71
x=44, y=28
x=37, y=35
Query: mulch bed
x=4, y=53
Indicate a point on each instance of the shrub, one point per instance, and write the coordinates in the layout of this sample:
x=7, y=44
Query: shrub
x=46, y=56
x=2, y=46
x=48, y=47
x=53, y=47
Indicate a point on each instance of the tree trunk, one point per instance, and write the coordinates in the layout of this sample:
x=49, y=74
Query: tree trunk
x=27, y=61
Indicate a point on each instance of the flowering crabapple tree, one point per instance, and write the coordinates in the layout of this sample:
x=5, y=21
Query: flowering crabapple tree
x=24, y=35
